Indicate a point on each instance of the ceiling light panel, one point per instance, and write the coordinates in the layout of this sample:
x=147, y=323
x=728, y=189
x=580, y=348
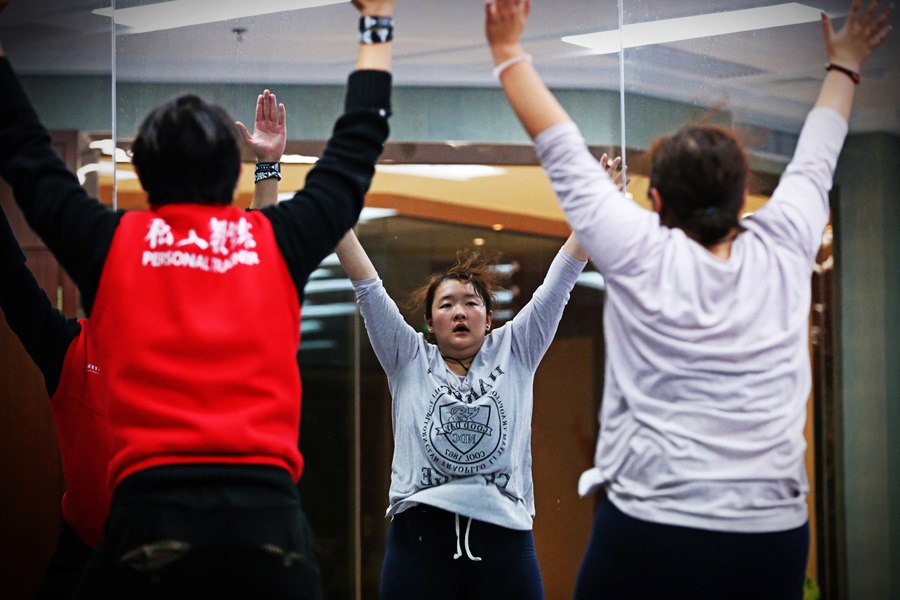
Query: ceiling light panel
x=450, y=172
x=184, y=13
x=688, y=28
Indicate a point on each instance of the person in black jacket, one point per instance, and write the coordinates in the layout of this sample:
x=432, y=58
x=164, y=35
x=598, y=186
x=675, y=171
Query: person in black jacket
x=204, y=391
x=58, y=346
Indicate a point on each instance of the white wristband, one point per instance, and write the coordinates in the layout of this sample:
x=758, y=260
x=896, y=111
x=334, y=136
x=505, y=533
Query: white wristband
x=508, y=63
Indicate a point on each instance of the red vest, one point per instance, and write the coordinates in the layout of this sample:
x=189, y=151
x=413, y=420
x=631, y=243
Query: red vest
x=82, y=430
x=197, y=326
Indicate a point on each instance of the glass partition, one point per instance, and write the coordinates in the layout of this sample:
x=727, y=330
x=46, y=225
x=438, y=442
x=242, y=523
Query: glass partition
x=228, y=54
x=61, y=54
x=416, y=219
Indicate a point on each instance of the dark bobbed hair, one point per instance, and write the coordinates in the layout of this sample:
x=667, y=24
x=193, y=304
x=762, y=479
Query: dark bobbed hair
x=471, y=267
x=186, y=151
x=701, y=174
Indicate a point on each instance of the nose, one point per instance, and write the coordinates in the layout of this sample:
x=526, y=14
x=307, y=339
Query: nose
x=459, y=312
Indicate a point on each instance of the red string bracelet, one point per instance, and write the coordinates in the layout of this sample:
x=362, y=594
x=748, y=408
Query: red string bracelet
x=851, y=74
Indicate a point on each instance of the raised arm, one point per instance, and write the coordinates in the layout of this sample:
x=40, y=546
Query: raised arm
x=572, y=246
x=532, y=102
x=375, y=56
x=3, y=5
x=395, y=343
x=847, y=49
x=354, y=259
x=309, y=226
x=798, y=211
x=45, y=332
x=76, y=228
x=267, y=141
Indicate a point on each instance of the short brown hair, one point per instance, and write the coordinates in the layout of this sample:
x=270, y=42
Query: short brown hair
x=701, y=174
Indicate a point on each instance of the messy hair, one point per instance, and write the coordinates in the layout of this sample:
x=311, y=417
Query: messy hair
x=471, y=267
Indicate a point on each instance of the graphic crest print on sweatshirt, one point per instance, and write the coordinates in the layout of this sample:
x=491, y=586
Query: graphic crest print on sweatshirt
x=465, y=430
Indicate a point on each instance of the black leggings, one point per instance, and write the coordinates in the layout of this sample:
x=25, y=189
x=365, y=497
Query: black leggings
x=427, y=558
x=205, y=531
x=628, y=558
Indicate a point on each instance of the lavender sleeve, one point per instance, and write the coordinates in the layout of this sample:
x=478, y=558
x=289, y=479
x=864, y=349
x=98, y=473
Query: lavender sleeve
x=614, y=229
x=395, y=343
x=535, y=326
x=798, y=211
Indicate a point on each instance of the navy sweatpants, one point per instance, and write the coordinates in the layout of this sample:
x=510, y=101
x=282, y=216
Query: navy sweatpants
x=426, y=558
x=205, y=531
x=631, y=559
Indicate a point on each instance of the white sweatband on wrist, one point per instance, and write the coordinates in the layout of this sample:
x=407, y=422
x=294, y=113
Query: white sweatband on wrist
x=510, y=62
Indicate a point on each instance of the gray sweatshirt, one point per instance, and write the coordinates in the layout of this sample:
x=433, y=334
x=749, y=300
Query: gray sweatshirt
x=707, y=371
x=463, y=444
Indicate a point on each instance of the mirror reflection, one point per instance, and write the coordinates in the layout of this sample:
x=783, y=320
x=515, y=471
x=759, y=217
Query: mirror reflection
x=459, y=174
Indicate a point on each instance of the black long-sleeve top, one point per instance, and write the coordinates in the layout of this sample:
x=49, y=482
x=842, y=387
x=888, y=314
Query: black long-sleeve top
x=45, y=332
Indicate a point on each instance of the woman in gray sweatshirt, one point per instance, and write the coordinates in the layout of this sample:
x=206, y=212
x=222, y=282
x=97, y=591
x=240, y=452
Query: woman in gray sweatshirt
x=461, y=495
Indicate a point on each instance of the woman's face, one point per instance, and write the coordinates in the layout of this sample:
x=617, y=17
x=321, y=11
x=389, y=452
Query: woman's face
x=459, y=319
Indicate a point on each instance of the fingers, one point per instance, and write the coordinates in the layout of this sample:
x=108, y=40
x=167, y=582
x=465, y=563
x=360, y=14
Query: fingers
x=268, y=109
x=244, y=132
x=282, y=116
x=879, y=37
x=867, y=16
x=259, y=108
x=880, y=27
x=827, y=27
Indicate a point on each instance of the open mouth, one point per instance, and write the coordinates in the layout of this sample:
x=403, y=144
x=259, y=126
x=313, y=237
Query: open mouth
x=460, y=328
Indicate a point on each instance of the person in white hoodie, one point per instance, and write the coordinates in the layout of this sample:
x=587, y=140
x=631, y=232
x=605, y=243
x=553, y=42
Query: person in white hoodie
x=701, y=444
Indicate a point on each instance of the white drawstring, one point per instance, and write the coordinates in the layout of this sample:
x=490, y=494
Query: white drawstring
x=458, y=549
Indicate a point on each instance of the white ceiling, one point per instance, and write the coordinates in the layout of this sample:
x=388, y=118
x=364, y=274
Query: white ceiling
x=767, y=77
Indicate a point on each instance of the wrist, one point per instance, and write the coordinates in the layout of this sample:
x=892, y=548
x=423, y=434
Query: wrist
x=847, y=63
x=504, y=52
